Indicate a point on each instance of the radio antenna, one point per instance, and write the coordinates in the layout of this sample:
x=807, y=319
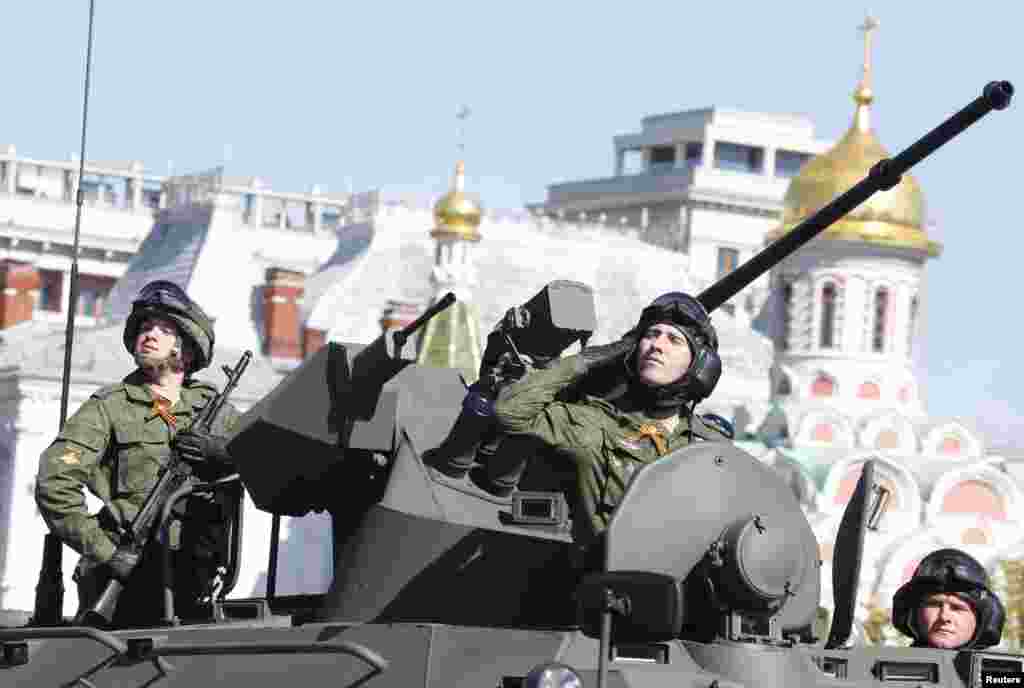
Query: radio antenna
x=50, y=590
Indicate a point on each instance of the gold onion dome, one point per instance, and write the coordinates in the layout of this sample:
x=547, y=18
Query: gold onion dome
x=457, y=214
x=893, y=218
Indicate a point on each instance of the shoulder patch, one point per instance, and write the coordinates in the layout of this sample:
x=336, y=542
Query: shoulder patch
x=71, y=457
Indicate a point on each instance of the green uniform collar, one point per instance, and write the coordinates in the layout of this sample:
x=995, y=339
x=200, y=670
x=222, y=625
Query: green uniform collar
x=189, y=400
x=634, y=419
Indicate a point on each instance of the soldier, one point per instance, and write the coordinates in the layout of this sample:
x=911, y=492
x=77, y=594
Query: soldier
x=115, y=444
x=947, y=604
x=669, y=362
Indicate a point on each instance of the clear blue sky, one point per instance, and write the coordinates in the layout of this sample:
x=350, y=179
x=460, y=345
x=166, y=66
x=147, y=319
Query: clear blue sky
x=366, y=94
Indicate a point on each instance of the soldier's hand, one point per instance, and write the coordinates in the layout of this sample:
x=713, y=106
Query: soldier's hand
x=516, y=318
x=123, y=563
x=196, y=446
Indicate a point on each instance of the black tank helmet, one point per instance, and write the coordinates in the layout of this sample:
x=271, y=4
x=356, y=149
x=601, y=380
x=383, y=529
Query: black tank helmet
x=950, y=571
x=169, y=300
x=699, y=380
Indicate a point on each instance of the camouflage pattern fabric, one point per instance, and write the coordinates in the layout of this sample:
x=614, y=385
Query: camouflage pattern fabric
x=114, y=444
x=605, y=444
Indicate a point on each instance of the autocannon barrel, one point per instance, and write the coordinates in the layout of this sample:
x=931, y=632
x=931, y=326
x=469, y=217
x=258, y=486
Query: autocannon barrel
x=410, y=329
x=883, y=176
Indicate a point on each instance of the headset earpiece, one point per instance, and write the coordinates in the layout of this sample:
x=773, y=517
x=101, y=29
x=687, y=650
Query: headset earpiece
x=704, y=372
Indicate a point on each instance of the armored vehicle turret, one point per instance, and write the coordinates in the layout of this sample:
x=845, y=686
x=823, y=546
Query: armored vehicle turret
x=454, y=564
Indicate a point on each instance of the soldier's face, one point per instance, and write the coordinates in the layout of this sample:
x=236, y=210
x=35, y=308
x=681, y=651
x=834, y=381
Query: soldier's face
x=948, y=621
x=662, y=355
x=157, y=338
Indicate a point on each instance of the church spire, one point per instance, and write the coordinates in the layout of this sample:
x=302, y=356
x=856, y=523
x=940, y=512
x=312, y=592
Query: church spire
x=863, y=95
x=452, y=339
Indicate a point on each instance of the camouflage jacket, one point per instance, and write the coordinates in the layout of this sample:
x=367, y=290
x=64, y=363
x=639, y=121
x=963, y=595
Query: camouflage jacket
x=114, y=444
x=605, y=444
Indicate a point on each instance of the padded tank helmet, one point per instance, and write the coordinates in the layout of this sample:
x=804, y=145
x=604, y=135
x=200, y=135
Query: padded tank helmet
x=167, y=299
x=950, y=571
x=693, y=320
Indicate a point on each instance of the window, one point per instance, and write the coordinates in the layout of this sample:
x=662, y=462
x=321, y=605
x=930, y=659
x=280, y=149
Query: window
x=632, y=161
x=951, y=444
x=881, y=311
x=789, y=163
x=330, y=217
x=828, y=317
x=784, y=388
x=728, y=259
x=51, y=284
x=869, y=390
x=92, y=187
x=887, y=439
x=663, y=158
x=151, y=194
x=975, y=497
x=738, y=158
x=787, y=316
x=694, y=153
x=92, y=294
x=245, y=204
x=823, y=386
x=912, y=325
x=823, y=432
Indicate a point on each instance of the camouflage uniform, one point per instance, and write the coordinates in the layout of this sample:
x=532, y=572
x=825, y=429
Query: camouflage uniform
x=605, y=444
x=115, y=445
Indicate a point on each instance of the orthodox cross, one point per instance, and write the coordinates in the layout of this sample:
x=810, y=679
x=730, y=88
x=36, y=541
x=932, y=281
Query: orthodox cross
x=870, y=24
x=462, y=115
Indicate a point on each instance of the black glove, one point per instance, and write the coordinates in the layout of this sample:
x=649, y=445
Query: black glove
x=195, y=445
x=204, y=452
x=594, y=357
x=123, y=563
x=517, y=318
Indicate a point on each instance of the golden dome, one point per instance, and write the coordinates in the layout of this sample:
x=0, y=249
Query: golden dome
x=457, y=215
x=893, y=218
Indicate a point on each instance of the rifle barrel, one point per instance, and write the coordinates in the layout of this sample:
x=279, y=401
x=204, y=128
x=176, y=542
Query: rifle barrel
x=884, y=175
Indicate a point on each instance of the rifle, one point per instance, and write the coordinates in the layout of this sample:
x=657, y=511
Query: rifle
x=176, y=475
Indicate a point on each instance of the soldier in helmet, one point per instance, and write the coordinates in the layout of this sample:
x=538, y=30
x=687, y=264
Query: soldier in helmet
x=668, y=363
x=948, y=604
x=115, y=445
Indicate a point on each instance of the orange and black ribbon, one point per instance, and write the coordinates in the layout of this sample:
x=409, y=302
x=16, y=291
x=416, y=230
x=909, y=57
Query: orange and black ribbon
x=653, y=432
x=162, y=408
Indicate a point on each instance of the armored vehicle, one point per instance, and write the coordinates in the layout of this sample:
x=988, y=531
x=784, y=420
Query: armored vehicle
x=454, y=563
